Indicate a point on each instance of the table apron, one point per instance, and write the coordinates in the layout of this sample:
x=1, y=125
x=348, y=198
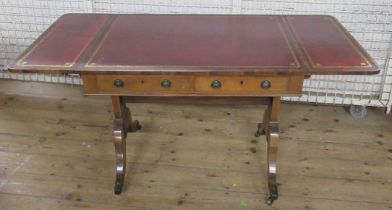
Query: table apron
x=184, y=85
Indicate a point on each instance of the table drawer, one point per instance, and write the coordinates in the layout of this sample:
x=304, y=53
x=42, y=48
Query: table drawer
x=192, y=85
x=143, y=84
x=241, y=84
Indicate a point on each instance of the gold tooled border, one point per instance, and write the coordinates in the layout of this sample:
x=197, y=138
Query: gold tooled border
x=67, y=64
x=318, y=66
x=91, y=64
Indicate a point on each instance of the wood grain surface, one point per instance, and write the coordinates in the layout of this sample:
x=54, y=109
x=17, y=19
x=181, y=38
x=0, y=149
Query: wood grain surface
x=56, y=148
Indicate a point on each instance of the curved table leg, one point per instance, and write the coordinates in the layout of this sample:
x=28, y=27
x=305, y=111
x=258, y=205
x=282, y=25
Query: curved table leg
x=119, y=137
x=272, y=153
x=122, y=124
x=270, y=127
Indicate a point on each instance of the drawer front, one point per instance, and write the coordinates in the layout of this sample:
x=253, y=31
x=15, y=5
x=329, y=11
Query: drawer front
x=246, y=84
x=143, y=84
x=192, y=85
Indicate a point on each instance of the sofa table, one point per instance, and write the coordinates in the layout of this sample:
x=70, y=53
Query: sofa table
x=196, y=59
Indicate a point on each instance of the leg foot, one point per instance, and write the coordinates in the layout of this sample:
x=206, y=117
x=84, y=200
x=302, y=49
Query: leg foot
x=260, y=130
x=358, y=111
x=135, y=125
x=118, y=187
x=273, y=195
x=261, y=127
x=132, y=125
x=269, y=201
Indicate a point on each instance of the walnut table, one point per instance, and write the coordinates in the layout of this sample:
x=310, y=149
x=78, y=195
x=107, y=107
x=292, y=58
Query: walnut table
x=197, y=59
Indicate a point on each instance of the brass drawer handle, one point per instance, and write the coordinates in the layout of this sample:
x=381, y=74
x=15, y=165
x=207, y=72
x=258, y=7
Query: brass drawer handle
x=166, y=83
x=118, y=83
x=216, y=84
x=265, y=84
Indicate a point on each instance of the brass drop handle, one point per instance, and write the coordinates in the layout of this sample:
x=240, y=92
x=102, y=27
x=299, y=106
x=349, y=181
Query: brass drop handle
x=265, y=84
x=118, y=83
x=216, y=84
x=166, y=83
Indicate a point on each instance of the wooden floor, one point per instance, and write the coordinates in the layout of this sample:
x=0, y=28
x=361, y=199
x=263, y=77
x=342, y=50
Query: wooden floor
x=56, y=152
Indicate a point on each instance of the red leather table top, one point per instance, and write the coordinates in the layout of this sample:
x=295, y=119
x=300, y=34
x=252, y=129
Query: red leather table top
x=228, y=44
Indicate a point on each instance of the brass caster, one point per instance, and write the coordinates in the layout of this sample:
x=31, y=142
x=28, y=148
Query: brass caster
x=118, y=187
x=135, y=125
x=269, y=201
x=257, y=134
x=357, y=111
x=260, y=130
x=273, y=195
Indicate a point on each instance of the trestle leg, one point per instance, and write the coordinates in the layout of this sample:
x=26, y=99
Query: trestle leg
x=122, y=124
